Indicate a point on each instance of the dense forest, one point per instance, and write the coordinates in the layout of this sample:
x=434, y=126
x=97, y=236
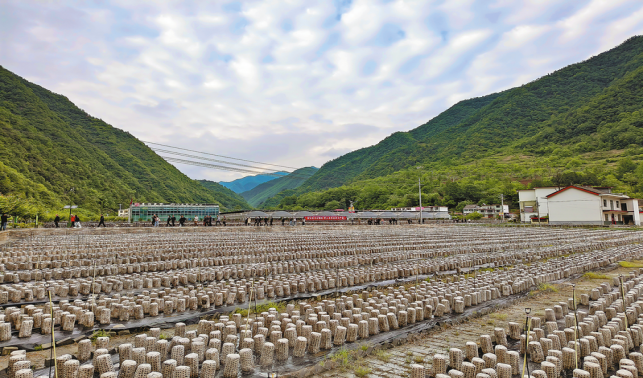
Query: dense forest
x=260, y=193
x=247, y=183
x=227, y=198
x=582, y=124
x=50, y=146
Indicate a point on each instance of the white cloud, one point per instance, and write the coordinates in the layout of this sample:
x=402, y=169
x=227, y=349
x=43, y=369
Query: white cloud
x=295, y=82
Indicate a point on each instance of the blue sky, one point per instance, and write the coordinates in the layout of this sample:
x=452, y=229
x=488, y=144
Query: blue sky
x=295, y=82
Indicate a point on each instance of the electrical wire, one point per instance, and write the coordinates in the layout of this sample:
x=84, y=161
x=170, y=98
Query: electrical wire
x=226, y=157
x=216, y=166
x=283, y=173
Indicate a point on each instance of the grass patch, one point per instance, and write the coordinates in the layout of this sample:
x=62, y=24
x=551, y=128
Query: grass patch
x=242, y=311
x=364, y=347
x=499, y=316
x=382, y=355
x=101, y=333
x=547, y=288
x=342, y=357
x=362, y=371
x=164, y=336
x=418, y=359
x=595, y=276
x=38, y=347
x=630, y=264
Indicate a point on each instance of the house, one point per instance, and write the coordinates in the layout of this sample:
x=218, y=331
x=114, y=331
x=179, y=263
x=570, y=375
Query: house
x=533, y=203
x=488, y=211
x=592, y=206
x=123, y=213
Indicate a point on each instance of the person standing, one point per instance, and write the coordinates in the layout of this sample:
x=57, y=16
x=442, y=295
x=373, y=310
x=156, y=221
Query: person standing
x=169, y=219
x=102, y=221
x=181, y=221
x=56, y=220
x=223, y=220
x=77, y=221
x=3, y=222
x=196, y=220
x=72, y=220
x=173, y=220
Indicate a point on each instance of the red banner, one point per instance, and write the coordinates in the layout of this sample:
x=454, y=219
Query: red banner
x=333, y=218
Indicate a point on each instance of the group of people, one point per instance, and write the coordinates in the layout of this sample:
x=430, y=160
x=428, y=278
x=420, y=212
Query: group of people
x=207, y=221
x=258, y=221
x=75, y=221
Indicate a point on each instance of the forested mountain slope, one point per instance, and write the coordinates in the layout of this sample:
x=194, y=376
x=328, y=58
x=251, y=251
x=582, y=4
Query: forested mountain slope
x=478, y=127
x=244, y=184
x=229, y=199
x=582, y=124
x=259, y=194
x=49, y=146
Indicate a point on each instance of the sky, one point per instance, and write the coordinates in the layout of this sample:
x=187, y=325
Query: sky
x=294, y=82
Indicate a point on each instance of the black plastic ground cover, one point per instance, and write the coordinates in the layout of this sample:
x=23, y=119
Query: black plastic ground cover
x=190, y=316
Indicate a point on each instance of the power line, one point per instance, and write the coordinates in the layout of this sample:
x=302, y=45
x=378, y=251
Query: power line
x=283, y=173
x=226, y=157
x=215, y=166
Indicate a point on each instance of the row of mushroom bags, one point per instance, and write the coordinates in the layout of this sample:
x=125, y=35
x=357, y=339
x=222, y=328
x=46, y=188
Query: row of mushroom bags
x=348, y=215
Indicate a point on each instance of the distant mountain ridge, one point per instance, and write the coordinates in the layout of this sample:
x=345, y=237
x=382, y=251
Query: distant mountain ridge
x=259, y=194
x=244, y=184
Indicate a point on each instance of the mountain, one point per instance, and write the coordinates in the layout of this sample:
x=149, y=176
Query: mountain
x=479, y=126
x=247, y=183
x=581, y=121
x=229, y=199
x=260, y=193
x=49, y=145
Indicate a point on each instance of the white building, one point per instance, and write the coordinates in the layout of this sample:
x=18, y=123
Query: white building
x=594, y=206
x=123, y=213
x=579, y=205
x=533, y=203
x=488, y=211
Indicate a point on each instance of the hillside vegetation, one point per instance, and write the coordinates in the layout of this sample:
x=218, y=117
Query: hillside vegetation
x=260, y=193
x=49, y=146
x=229, y=199
x=244, y=184
x=582, y=124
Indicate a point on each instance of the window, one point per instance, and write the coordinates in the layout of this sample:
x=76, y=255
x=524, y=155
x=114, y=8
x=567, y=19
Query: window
x=617, y=204
x=604, y=203
x=607, y=218
x=611, y=204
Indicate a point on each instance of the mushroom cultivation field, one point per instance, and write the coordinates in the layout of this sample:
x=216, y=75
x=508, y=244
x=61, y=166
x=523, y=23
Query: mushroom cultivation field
x=241, y=302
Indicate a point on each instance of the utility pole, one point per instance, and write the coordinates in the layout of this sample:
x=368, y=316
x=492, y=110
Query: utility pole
x=420, y=190
x=502, y=207
x=71, y=192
